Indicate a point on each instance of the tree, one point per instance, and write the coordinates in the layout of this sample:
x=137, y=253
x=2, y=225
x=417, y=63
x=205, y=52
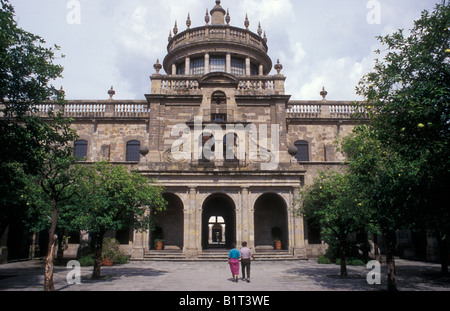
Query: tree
x=26, y=68
x=110, y=197
x=408, y=101
x=332, y=203
x=385, y=184
x=38, y=146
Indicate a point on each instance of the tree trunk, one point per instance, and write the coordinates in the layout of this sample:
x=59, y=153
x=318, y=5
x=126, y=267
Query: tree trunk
x=443, y=252
x=343, y=260
x=49, y=284
x=98, y=256
x=389, y=239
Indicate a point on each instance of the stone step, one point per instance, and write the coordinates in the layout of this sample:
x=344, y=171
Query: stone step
x=214, y=255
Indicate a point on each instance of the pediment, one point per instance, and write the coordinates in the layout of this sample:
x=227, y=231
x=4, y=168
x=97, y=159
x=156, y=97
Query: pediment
x=219, y=78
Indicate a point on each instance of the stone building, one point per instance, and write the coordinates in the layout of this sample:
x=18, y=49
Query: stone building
x=218, y=131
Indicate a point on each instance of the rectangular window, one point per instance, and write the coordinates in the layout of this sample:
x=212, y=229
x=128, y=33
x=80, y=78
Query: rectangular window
x=198, y=66
x=133, y=154
x=80, y=150
x=217, y=63
x=303, y=151
x=181, y=69
x=237, y=66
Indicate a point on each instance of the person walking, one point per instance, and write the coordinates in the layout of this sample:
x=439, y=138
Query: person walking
x=246, y=255
x=233, y=261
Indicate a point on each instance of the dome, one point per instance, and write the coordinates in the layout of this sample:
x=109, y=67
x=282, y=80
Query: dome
x=217, y=47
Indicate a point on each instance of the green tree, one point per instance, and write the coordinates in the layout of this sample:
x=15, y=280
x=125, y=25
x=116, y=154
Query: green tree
x=26, y=69
x=332, y=203
x=35, y=145
x=408, y=101
x=110, y=197
x=385, y=184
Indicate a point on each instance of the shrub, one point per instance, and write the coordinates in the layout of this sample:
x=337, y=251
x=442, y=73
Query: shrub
x=323, y=260
x=86, y=260
x=112, y=251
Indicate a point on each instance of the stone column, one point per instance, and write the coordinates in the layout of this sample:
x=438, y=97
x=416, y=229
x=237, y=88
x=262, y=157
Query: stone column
x=206, y=63
x=187, y=65
x=248, y=219
x=190, y=225
x=174, y=69
x=247, y=66
x=228, y=63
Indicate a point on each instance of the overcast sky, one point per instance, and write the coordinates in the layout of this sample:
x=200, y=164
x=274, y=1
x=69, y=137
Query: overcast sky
x=116, y=42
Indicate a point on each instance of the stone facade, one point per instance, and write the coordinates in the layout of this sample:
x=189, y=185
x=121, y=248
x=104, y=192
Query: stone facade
x=218, y=84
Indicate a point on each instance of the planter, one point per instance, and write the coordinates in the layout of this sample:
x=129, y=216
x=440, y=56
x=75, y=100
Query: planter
x=107, y=262
x=278, y=245
x=159, y=245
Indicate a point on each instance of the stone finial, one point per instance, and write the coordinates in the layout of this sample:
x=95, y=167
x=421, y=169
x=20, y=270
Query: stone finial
x=259, y=29
x=188, y=21
x=170, y=35
x=157, y=66
x=175, y=29
x=61, y=91
x=111, y=93
x=207, y=19
x=228, y=18
x=323, y=94
x=278, y=67
x=265, y=37
x=246, y=22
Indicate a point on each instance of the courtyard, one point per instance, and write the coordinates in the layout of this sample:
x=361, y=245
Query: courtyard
x=204, y=276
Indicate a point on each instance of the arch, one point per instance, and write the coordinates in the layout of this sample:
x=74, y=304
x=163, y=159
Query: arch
x=218, y=221
x=170, y=223
x=271, y=221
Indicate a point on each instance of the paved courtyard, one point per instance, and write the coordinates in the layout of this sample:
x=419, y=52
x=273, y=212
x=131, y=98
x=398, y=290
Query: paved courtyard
x=215, y=276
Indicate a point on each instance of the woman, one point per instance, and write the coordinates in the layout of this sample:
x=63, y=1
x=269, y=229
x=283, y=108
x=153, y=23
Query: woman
x=233, y=260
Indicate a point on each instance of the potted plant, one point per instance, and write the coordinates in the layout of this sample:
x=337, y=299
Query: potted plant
x=277, y=245
x=110, y=251
x=159, y=244
x=276, y=233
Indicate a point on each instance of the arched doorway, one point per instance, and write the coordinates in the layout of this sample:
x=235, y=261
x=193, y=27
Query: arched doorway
x=271, y=221
x=218, y=222
x=169, y=224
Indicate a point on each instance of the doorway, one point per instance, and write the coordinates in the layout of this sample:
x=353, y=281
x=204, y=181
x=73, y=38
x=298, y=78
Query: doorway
x=218, y=222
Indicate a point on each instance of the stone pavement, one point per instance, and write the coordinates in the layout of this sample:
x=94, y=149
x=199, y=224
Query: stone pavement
x=274, y=276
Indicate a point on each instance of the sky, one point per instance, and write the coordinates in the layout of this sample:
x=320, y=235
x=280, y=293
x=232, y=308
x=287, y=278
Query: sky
x=326, y=43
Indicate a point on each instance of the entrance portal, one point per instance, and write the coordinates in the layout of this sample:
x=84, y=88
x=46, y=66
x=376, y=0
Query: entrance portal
x=271, y=221
x=169, y=224
x=218, y=222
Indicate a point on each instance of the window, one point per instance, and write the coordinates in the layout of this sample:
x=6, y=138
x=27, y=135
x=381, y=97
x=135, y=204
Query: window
x=217, y=63
x=197, y=66
x=254, y=70
x=237, y=66
x=80, y=150
x=303, y=151
x=133, y=154
x=181, y=69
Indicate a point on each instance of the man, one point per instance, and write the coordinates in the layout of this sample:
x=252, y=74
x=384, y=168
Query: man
x=246, y=254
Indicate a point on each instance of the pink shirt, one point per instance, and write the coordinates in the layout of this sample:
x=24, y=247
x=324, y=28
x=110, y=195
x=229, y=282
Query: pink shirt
x=246, y=253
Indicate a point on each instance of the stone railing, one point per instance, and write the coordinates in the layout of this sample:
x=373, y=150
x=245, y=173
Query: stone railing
x=217, y=33
x=178, y=84
x=324, y=109
x=96, y=109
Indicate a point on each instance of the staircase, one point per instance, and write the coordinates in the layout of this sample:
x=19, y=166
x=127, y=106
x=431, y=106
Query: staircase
x=215, y=255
